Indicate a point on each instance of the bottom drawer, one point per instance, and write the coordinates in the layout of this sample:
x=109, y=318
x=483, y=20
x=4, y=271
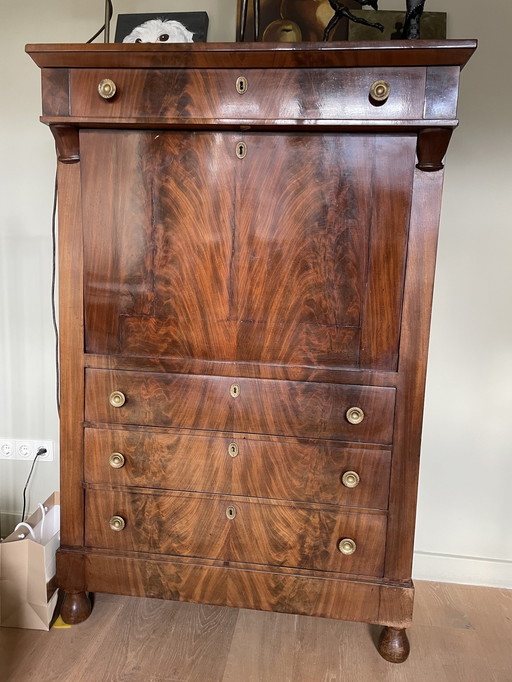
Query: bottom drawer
x=236, y=529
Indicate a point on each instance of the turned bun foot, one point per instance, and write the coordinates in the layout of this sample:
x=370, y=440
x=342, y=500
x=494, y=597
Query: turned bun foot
x=76, y=607
x=394, y=645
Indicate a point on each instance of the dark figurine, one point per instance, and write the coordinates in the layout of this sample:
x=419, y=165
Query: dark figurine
x=341, y=11
x=412, y=19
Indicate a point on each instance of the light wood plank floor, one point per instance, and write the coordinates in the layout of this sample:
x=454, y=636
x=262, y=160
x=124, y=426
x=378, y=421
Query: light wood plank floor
x=460, y=634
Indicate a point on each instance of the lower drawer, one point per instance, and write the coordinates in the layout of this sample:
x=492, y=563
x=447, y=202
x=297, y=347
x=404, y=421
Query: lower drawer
x=236, y=529
x=277, y=468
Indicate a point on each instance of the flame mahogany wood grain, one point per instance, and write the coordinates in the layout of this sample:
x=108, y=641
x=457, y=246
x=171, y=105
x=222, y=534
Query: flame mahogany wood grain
x=211, y=582
x=315, y=276
x=212, y=94
x=271, y=533
x=308, y=471
x=284, y=408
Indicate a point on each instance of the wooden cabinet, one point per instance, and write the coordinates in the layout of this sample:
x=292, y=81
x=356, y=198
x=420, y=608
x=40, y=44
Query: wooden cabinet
x=247, y=244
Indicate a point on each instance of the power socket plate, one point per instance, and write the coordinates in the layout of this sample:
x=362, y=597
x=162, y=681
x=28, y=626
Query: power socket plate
x=25, y=449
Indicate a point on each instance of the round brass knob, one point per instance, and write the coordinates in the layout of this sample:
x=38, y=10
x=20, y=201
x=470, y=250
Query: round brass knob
x=355, y=415
x=116, y=460
x=117, y=523
x=107, y=88
x=380, y=91
x=347, y=546
x=117, y=399
x=350, y=479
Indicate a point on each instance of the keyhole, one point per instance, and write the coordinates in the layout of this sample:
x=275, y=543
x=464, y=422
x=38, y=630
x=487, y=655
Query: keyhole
x=241, y=85
x=234, y=390
x=231, y=513
x=233, y=449
x=241, y=150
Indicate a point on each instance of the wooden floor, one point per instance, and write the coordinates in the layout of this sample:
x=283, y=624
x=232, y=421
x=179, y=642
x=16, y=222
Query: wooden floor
x=460, y=634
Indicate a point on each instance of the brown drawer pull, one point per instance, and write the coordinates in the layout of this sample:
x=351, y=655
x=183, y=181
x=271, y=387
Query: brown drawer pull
x=117, y=399
x=350, y=479
x=107, y=88
x=117, y=523
x=380, y=91
x=355, y=415
x=116, y=460
x=347, y=546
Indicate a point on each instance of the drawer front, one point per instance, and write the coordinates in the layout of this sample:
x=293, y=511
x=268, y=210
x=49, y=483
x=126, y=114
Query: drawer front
x=239, y=465
x=264, y=406
x=284, y=94
x=234, y=529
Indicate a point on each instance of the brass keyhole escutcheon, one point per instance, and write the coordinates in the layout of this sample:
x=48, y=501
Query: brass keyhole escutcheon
x=241, y=150
x=241, y=85
x=350, y=479
x=347, y=546
x=380, y=91
x=355, y=415
x=233, y=450
x=107, y=88
x=234, y=391
x=117, y=523
x=116, y=460
x=117, y=399
x=231, y=513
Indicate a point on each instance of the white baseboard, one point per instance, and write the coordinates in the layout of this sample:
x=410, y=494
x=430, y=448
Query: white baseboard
x=448, y=568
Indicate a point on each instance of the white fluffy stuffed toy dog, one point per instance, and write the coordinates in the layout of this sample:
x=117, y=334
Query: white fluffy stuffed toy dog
x=159, y=31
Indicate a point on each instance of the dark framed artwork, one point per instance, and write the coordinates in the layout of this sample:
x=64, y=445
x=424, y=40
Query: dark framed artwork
x=197, y=22
x=432, y=26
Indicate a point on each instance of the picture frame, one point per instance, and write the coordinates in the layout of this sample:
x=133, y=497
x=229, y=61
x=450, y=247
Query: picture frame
x=432, y=27
x=197, y=22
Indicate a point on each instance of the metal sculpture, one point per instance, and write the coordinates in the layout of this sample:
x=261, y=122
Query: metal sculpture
x=340, y=11
x=411, y=30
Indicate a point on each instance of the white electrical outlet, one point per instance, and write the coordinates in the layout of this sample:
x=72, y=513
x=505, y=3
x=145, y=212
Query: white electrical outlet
x=25, y=449
x=6, y=448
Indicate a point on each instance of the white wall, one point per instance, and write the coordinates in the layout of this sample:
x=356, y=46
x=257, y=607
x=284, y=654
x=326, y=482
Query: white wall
x=464, y=510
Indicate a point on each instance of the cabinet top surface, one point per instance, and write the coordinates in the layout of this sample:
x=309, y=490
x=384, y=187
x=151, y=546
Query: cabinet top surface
x=255, y=55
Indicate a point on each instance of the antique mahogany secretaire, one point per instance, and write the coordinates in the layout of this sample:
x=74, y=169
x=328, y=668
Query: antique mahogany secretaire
x=247, y=237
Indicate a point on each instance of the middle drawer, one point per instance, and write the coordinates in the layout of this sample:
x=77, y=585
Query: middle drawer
x=259, y=406
x=237, y=464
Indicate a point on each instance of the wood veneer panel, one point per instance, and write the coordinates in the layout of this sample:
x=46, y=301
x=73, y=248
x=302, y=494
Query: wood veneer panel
x=426, y=206
x=271, y=94
x=264, y=263
x=284, y=408
x=253, y=55
x=71, y=355
x=271, y=468
x=252, y=589
x=279, y=534
x=391, y=201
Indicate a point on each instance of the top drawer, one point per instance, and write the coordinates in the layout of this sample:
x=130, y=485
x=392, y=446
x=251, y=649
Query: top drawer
x=248, y=94
x=260, y=406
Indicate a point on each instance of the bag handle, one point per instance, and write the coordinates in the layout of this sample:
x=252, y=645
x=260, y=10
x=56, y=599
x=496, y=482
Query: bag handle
x=22, y=536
